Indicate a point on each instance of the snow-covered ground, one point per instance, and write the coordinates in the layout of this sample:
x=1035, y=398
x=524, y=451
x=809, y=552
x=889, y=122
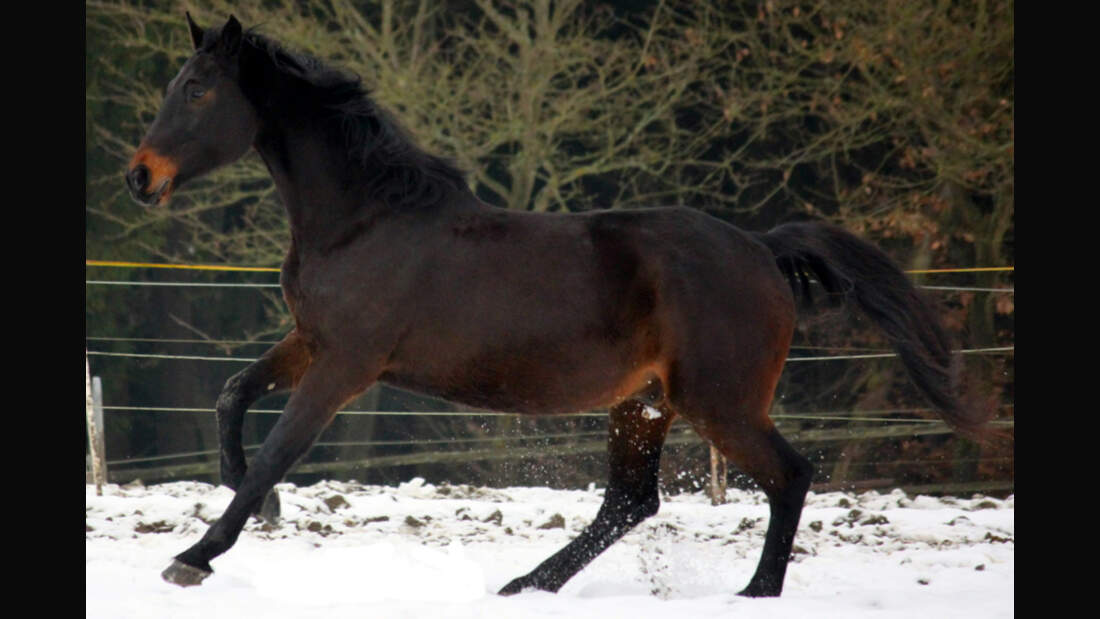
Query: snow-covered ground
x=418, y=550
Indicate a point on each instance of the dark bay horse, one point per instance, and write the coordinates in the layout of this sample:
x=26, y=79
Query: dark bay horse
x=396, y=272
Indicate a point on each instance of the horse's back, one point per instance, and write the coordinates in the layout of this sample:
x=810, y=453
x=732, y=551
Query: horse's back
x=626, y=262
x=698, y=261
x=719, y=285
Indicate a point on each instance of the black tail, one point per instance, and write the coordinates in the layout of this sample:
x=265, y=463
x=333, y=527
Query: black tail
x=846, y=265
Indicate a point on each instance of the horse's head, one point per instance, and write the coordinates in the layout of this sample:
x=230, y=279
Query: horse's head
x=205, y=121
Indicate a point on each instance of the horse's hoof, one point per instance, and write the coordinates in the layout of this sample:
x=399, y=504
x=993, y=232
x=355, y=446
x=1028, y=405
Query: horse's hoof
x=527, y=583
x=753, y=591
x=271, y=509
x=184, y=575
x=515, y=587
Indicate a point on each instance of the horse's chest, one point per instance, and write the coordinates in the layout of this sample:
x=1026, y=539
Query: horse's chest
x=290, y=281
x=330, y=305
x=308, y=284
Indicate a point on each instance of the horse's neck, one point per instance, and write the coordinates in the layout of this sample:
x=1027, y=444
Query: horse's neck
x=323, y=204
x=320, y=203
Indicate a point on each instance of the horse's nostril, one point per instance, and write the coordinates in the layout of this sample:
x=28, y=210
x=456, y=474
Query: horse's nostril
x=139, y=178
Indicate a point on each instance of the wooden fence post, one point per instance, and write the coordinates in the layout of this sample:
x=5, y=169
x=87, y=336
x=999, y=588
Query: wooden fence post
x=101, y=427
x=717, y=477
x=95, y=432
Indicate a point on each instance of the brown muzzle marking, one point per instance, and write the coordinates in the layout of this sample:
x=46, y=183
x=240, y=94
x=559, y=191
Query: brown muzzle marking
x=162, y=171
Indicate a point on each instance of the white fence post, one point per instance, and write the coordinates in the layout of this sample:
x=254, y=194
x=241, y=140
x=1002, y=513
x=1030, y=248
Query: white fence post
x=95, y=432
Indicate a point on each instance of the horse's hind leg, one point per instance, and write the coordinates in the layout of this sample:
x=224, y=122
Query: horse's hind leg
x=634, y=452
x=785, y=478
x=279, y=369
x=738, y=426
x=326, y=386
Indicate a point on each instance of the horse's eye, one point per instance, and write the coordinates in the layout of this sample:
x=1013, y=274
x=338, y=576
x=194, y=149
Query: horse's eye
x=197, y=93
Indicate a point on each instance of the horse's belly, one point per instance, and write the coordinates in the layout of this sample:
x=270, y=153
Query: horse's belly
x=528, y=385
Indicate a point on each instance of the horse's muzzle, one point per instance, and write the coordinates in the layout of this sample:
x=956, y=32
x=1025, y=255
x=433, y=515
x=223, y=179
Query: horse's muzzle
x=151, y=176
x=139, y=181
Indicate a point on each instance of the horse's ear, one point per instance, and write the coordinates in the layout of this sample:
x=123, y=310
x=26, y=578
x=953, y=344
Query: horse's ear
x=230, y=41
x=196, y=31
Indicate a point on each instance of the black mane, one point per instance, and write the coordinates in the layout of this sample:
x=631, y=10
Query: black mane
x=380, y=152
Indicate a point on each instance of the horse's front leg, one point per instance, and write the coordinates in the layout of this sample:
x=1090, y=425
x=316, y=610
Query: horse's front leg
x=277, y=370
x=325, y=386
